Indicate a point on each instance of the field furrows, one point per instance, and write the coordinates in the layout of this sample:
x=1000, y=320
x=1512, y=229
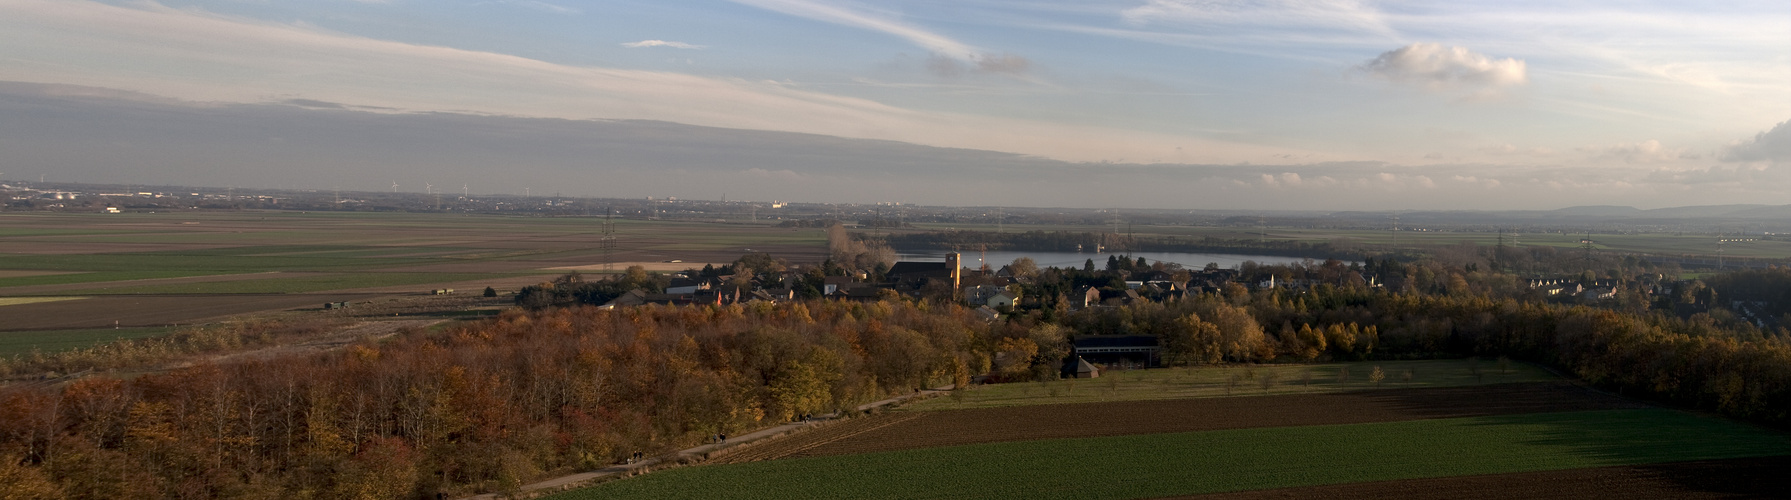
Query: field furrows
x=1732, y=478
x=989, y=425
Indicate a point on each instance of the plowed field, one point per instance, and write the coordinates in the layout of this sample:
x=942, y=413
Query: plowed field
x=909, y=430
x=1768, y=477
x=153, y=310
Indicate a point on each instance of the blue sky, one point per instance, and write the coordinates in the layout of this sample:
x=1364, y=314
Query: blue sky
x=1657, y=101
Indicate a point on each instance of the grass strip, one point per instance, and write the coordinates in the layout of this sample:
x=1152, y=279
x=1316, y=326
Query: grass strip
x=50, y=341
x=1251, y=380
x=1156, y=465
x=19, y=301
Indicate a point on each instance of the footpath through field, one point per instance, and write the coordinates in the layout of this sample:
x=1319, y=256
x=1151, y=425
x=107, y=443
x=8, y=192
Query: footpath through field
x=734, y=444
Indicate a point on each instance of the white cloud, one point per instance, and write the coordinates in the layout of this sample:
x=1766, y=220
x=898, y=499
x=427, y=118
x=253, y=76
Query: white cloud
x=1288, y=15
x=1772, y=145
x=951, y=55
x=838, y=14
x=660, y=43
x=228, y=59
x=1437, y=67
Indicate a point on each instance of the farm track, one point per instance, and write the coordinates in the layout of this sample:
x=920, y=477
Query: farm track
x=1728, y=479
x=796, y=446
x=926, y=429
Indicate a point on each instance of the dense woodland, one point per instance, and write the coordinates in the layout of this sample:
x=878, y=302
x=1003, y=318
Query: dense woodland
x=480, y=407
x=490, y=404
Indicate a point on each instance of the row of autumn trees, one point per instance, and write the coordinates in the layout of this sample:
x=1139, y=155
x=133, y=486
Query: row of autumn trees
x=481, y=407
x=1693, y=362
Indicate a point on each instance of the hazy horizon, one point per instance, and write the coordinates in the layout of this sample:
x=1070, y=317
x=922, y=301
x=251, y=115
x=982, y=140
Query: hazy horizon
x=1150, y=103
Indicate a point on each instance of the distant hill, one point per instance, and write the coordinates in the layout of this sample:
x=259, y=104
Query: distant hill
x=1765, y=212
x=1702, y=212
x=1599, y=211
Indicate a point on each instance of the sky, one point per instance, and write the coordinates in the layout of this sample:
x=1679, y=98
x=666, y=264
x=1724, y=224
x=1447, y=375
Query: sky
x=1149, y=103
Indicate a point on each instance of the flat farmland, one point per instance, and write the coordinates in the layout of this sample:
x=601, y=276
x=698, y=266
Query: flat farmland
x=1158, y=465
x=903, y=430
x=1205, y=382
x=1762, y=477
x=1455, y=429
x=154, y=310
x=146, y=269
x=48, y=341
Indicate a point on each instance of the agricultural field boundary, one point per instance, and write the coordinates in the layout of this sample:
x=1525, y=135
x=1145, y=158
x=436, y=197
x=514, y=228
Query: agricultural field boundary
x=19, y=301
x=905, y=430
x=1264, y=379
x=694, y=454
x=91, y=286
x=1158, y=465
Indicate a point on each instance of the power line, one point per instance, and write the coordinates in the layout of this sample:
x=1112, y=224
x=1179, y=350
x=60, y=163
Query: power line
x=609, y=240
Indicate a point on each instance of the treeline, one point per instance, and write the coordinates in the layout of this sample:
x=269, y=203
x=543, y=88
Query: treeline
x=1067, y=241
x=1770, y=287
x=1694, y=362
x=481, y=407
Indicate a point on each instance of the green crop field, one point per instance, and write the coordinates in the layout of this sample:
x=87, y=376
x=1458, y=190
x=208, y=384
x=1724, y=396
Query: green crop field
x=303, y=284
x=95, y=248
x=99, y=276
x=48, y=341
x=1143, y=466
x=1200, y=382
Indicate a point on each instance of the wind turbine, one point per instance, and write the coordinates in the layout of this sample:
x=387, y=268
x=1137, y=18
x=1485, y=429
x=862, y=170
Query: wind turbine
x=428, y=188
x=394, y=186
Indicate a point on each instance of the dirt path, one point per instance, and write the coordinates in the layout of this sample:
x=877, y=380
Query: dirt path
x=797, y=445
x=1728, y=479
x=745, y=445
x=926, y=429
x=335, y=340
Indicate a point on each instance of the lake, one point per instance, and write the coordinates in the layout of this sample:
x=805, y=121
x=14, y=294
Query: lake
x=1073, y=259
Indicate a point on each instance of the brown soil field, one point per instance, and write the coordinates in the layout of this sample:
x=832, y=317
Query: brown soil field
x=155, y=310
x=26, y=246
x=1768, y=477
x=17, y=291
x=902, y=430
x=503, y=285
x=650, y=266
x=475, y=266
